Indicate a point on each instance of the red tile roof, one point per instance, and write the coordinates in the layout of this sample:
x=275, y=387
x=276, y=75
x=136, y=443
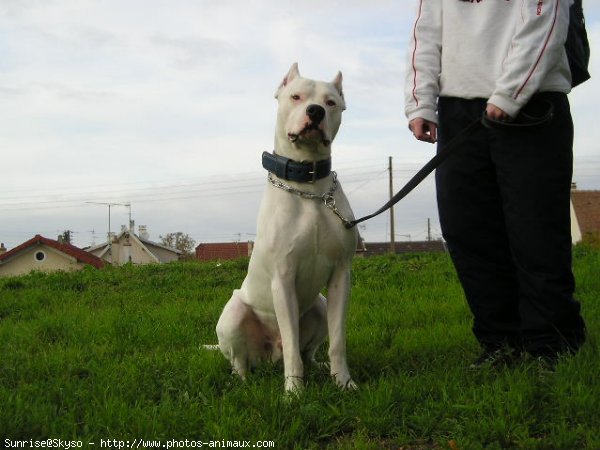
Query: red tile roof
x=229, y=250
x=587, y=210
x=71, y=250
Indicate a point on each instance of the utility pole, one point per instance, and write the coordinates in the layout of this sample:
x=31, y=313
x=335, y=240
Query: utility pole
x=429, y=229
x=128, y=205
x=392, y=230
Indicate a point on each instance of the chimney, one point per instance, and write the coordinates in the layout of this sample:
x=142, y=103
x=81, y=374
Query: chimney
x=143, y=232
x=2, y=249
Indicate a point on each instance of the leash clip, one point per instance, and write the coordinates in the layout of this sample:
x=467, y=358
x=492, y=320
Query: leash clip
x=329, y=201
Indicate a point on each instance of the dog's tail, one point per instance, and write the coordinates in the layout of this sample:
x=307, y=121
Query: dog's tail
x=210, y=347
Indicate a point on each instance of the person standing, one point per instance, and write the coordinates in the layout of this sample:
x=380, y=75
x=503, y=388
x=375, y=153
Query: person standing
x=504, y=197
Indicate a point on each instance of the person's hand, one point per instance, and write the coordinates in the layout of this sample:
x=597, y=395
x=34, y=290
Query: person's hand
x=495, y=113
x=423, y=130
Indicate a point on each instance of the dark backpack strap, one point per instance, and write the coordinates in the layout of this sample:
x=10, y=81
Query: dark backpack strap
x=577, y=45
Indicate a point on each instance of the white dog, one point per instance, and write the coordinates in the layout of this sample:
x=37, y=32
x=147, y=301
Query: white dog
x=302, y=245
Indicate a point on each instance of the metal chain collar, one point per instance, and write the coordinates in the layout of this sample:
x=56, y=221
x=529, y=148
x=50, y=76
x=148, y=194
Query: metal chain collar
x=327, y=198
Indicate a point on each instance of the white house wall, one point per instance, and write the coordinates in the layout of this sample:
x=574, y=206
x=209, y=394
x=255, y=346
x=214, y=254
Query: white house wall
x=575, y=229
x=26, y=262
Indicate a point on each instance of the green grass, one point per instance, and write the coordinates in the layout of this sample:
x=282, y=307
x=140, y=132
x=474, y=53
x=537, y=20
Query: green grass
x=115, y=354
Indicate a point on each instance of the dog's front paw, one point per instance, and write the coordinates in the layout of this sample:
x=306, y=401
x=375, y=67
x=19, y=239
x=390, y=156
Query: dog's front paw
x=350, y=386
x=346, y=383
x=294, y=385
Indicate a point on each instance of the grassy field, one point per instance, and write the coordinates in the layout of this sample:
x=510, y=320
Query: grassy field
x=116, y=355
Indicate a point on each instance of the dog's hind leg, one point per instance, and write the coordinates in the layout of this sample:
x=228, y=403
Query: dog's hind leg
x=241, y=335
x=313, y=330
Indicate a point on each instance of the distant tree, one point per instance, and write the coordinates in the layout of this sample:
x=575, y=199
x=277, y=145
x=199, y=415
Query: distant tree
x=180, y=241
x=65, y=237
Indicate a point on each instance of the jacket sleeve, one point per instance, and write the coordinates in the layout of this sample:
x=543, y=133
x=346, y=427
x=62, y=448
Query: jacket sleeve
x=536, y=49
x=421, y=88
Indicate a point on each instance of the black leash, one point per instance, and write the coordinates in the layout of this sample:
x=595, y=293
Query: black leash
x=525, y=120
x=433, y=163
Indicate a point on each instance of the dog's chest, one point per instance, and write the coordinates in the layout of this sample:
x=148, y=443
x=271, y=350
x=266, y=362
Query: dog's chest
x=321, y=244
x=305, y=236
x=306, y=227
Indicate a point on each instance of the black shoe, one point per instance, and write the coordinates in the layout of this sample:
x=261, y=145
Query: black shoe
x=548, y=358
x=547, y=361
x=496, y=357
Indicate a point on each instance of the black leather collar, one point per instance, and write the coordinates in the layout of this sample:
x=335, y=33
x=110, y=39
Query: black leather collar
x=288, y=169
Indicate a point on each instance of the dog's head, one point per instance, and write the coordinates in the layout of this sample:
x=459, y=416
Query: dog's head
x=309, y=116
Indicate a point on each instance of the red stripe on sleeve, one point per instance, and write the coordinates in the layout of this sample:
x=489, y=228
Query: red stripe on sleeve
x=537, y=62
x=414, y=55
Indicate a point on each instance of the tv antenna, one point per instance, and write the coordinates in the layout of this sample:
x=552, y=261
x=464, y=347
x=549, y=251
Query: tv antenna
x=110, y=204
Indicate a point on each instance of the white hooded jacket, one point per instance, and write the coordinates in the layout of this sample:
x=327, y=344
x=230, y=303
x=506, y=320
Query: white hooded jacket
x=500, y=50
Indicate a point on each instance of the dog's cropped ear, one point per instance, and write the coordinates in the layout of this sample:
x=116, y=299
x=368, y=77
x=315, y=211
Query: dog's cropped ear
x=291, y=75
x=337, y=82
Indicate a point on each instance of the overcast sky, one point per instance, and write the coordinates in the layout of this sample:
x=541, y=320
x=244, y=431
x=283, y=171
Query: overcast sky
x=168, y=104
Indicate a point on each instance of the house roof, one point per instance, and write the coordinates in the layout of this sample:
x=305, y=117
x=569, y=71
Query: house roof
x=157, y=245
x=587, y=209
x=77, y=253
x=222, y=250
x=143, y=243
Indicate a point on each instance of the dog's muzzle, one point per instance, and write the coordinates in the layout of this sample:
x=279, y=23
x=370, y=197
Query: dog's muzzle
x=312, y=130
x=316, y=114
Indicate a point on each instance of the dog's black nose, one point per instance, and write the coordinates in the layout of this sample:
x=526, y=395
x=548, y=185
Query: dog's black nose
x=316, y=113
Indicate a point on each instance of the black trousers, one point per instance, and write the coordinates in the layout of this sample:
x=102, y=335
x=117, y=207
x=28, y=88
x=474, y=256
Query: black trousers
x=504, y=206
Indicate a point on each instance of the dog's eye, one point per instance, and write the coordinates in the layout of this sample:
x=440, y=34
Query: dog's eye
x=295, y=97
x=331, y=103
